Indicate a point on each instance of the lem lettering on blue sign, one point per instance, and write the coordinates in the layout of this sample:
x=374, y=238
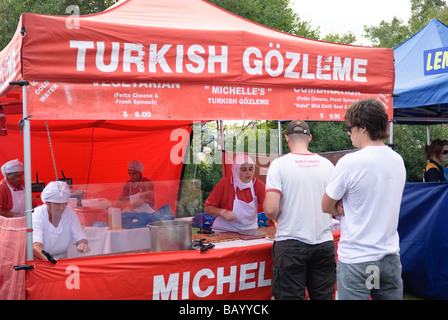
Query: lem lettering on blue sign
x=435, y=61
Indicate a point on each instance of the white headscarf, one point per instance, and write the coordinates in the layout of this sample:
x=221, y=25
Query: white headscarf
x=11, y=167
x=237, y=162
x=56, y=192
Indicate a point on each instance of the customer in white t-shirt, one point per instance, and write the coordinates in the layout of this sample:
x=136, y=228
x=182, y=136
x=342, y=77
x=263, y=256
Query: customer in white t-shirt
x=370, y=183
x=304, y=250
x=55, y=225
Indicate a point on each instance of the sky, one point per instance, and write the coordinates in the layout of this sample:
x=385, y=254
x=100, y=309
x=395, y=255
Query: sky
x=342, y=16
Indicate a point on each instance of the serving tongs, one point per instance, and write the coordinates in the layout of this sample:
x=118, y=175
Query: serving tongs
x=203, y=247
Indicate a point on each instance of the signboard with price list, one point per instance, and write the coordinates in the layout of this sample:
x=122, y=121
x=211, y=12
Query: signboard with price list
x=184, y=101
x=185, y=60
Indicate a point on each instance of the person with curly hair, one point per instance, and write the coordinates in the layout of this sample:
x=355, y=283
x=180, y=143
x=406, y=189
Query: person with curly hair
x=366, y=190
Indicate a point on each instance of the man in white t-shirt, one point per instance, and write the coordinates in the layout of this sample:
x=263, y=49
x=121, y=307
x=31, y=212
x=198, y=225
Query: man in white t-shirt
x=370, y=183
x=304, y=250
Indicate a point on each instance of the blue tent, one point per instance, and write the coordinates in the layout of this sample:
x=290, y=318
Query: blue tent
x=423, y=230
x=421, y=76
x=421, y=97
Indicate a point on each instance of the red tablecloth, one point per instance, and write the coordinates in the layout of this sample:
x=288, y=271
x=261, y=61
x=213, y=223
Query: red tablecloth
x=228, y=273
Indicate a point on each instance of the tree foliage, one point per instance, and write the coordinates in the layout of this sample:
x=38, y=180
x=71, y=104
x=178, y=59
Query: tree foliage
x=275, y=14
x=10, y=11
x=424, y=10
x=345, y=38
x=388, y=34
x=393, y=33
x=410, y=140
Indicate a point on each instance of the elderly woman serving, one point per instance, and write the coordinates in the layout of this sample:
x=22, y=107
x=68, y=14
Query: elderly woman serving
x=12, y=192
x=55, y=225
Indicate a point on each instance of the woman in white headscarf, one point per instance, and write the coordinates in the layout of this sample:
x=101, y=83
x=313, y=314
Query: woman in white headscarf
x=12, y=192
x=55, y=225
x=234, y=201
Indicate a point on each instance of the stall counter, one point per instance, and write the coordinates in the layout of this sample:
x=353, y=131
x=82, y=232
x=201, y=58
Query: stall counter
x=102, y=240
x=241, y=271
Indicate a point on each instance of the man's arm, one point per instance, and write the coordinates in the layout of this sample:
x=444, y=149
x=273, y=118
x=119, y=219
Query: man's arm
x=271, y=204
x=332, y=206
x=6, y=214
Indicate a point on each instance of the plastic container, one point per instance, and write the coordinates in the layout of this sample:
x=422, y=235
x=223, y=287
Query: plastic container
x=100, y=203
x=87, y=215
x=114, y=218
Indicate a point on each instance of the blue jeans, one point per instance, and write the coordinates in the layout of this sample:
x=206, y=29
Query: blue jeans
x=380, y=280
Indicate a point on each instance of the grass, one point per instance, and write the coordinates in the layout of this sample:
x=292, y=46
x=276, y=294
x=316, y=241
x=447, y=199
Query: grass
x=410, y=296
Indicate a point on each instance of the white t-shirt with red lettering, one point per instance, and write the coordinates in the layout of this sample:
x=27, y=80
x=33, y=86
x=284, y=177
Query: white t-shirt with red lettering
x=301, y=180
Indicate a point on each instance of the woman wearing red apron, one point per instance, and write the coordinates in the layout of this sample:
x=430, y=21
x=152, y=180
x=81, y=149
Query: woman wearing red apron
x=12, y=192
x=138, y=192
x=234, y=201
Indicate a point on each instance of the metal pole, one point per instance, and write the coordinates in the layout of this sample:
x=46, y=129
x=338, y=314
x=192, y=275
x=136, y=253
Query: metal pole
x=25, y=123
x=27, y=172
x=391, y=133
x=280, y=137
x=223, y=152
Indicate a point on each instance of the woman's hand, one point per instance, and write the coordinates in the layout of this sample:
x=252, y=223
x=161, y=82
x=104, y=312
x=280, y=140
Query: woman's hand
x=228, y=215
x=37, y=250
x=83, y=247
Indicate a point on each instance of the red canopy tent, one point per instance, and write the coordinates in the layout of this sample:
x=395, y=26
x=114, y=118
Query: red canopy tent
x=190, y=60
x=166, y=63
x=169, y=60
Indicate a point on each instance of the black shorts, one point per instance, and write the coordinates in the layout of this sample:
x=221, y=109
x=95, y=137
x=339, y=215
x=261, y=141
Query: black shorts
x=298, y=265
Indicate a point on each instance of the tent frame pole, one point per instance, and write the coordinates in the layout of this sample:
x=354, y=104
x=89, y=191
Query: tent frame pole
x=27, y=169
x=391, y=133
x=25, y=126
x=223, y=152
x=280, y=137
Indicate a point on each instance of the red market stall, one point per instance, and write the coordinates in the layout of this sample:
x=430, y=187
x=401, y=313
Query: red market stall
x=128, y=82
x=242, y=273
